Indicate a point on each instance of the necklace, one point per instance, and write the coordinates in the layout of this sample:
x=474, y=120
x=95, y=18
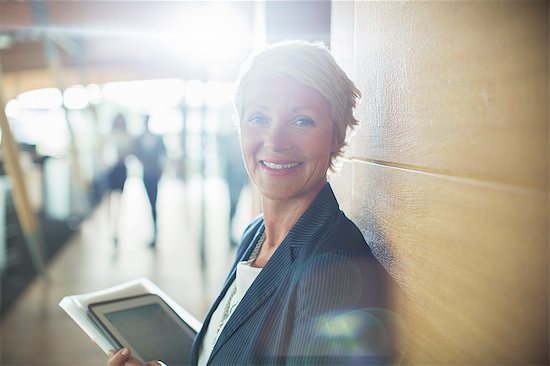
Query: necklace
x=229, y=306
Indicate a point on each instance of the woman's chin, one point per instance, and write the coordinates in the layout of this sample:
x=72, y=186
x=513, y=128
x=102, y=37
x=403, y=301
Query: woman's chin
x=278, y=190
x=287, y=192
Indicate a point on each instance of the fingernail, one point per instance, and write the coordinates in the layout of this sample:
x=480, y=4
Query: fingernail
x=124, y=352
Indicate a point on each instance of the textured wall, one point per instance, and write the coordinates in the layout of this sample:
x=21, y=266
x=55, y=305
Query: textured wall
x=447, y=175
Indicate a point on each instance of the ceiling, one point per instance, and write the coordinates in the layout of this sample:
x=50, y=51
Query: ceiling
x=70, y=42
x=62, y=43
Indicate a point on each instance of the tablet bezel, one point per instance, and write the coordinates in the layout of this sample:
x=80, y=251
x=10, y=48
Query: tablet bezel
x=98, y=310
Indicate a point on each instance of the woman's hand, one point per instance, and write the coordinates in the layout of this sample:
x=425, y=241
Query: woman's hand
x=123, y=357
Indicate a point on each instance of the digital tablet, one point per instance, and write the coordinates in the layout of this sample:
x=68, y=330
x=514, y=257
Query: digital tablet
x=147, y=326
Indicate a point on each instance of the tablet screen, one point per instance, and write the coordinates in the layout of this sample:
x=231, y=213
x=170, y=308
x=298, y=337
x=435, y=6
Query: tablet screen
x=148, y=327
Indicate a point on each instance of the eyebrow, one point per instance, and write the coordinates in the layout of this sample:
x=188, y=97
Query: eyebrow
x=255, y=105
x=263, y=107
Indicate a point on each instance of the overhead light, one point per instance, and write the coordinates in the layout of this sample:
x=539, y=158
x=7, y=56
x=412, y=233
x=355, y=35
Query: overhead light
x=219, y=94
x=76, y=97
x=194, y=93
x=145, y=94
x=214, y=36
x=12, y=109
x=47, y=98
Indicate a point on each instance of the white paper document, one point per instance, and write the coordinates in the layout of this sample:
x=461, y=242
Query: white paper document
x=77, y=307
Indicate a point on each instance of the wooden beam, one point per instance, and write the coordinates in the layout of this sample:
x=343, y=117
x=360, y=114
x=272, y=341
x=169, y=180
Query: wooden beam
x=25, y=214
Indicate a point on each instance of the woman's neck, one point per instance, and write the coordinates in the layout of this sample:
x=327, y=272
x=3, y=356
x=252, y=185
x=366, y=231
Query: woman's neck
x=279, y=218
x=281, y=215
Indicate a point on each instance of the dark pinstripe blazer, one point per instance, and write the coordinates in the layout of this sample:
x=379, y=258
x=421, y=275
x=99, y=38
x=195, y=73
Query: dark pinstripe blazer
x=315, y=302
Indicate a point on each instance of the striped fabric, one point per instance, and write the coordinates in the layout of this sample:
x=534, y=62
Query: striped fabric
x=319, y=299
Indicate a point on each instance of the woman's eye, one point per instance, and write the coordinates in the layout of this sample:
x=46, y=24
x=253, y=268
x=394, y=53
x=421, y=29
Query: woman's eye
x=258, y=120
x=303, y=122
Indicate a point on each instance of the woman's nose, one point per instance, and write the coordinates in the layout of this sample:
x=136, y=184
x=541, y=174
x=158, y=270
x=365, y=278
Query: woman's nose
x=278, y=138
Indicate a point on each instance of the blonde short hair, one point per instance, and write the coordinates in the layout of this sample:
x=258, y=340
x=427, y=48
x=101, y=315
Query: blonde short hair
x=313, y=65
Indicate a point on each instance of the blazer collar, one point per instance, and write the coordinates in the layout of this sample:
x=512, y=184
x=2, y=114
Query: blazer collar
x=324, y=207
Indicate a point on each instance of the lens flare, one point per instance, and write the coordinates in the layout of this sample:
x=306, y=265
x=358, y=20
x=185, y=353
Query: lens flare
x=369, y=332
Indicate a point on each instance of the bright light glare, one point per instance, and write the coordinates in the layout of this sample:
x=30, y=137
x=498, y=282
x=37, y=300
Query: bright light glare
x=12, y=109
x=48, y=98
x=214, y=36
x=166, y=121
x=76, y=97
x=94, y=93
x=46, y=129
x=55, y=141
x=219, y=94
x=146, y=94
x=194, y=93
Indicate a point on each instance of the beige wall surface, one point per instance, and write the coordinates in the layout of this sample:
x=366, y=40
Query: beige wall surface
x=447, y=175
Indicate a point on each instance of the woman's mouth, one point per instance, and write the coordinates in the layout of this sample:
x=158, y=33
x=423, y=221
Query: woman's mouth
x=279, y=166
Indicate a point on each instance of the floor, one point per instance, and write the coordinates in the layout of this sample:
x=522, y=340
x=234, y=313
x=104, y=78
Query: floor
x=36, y=331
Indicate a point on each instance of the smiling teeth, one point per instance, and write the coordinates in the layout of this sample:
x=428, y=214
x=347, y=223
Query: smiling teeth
x=280, y=166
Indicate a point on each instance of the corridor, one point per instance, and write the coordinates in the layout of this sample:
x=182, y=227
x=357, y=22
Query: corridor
x=36, y=331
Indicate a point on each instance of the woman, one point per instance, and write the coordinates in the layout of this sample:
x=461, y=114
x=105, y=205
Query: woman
x=304, y=285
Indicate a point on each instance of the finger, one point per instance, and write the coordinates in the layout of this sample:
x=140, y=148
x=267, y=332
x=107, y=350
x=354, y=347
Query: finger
x=132, y=361
x=155, y=363
x=119, y=357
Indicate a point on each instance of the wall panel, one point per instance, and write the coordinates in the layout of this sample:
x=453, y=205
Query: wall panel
x=343, y=180
x=459, y=88
x=447, y=175
x=471, y=261
x=342, y=17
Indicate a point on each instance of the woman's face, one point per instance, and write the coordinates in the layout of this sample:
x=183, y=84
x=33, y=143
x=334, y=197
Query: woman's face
x=287, y=138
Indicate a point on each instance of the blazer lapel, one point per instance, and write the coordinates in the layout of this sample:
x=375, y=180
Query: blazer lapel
x=252, y=237
x=267, y=282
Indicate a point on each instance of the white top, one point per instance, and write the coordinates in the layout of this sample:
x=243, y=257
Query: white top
x=246, y=274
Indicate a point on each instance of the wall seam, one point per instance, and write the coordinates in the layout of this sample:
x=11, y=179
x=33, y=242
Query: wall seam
x=441, y=174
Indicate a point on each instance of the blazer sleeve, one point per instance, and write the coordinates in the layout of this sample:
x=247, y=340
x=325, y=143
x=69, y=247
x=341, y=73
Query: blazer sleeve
x=332, y=325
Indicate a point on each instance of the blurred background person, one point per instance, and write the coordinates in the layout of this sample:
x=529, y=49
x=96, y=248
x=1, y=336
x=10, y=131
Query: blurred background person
x=120, y=148
x=231, y=167
x=151, y=152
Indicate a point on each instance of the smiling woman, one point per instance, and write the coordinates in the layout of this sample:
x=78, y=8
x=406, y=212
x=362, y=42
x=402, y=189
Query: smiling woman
x=303, y=270
x=305, y=287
